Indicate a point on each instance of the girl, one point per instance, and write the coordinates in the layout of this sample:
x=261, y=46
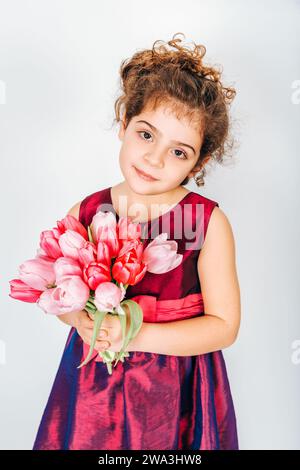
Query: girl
x=172, y=391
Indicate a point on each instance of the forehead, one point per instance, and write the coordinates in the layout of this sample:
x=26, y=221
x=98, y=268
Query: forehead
x=173, y=121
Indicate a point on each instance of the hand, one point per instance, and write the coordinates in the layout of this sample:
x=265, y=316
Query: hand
x=110, y=334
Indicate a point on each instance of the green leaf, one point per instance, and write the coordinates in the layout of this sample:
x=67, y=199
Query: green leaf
x=91, y=305
x=89, y=309
x=108, y=357
x=123, y=321
x=136, y=321
x=99, y=316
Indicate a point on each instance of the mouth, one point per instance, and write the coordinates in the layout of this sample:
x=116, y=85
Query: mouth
x=144, y=175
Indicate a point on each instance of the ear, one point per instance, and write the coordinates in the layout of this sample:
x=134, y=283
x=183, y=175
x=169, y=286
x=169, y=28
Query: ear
x=121, y=129
x=198, y=167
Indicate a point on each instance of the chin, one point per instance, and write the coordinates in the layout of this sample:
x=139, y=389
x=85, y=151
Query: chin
x=137, y=183
x=140, y=188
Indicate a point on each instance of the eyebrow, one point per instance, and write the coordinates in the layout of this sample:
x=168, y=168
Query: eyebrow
x=174, y=141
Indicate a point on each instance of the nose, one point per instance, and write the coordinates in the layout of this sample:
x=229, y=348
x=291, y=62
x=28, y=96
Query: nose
x=155, y=159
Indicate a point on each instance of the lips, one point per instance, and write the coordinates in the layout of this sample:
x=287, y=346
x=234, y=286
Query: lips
x=145, y=175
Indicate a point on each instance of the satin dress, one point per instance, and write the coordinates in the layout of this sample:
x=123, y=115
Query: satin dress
x=151, y=401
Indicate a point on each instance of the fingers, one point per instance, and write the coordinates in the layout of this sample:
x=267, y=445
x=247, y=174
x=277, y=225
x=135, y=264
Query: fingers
x=107, y=323
x=102, y=345
x=85, y=330
x=86, y=321
x=103, y=333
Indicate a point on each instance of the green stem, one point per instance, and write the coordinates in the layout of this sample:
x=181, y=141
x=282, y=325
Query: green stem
x=136, y=321
x=98, y=319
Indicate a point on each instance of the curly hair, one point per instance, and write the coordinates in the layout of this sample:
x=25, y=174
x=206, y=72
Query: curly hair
x=180, y=80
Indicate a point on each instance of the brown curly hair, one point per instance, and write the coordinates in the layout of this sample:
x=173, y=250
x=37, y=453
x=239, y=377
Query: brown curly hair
x=179, y=80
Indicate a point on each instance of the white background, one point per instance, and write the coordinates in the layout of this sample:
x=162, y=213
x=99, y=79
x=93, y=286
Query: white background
x=59, y=63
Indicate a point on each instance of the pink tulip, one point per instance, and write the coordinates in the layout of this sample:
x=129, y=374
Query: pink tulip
x=87, y=254
x=103, y=253
x=128, y=267
x=70, y=223
x=110, y=238
x=104, y=229
x=108, y=296
x=161, y=256
x=66, y=267
x=49, y=244
x=21, y=291
x=95, y=274
x=40, y=253
x=70, y=242
x=128, y=230
x=70, y=295
x=37, y=273
x=102, y=219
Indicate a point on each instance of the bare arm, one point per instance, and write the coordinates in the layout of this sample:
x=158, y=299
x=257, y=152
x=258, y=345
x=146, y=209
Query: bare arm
x=218, y=328
x=70, y=318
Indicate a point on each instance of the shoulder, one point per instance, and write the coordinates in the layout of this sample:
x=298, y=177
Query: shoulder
x=74, y=211
x=219, y=238
x=97, y=196
x=86, y=208
x=202, y=214
x=208, y=203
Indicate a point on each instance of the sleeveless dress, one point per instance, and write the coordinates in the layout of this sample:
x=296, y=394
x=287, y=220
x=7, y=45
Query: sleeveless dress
x=151, y=401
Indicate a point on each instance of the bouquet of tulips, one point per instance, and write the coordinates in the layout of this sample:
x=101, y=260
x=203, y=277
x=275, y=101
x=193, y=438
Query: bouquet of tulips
x=77, y=268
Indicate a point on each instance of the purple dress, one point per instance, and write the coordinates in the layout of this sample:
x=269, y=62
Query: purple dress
x=151, y=401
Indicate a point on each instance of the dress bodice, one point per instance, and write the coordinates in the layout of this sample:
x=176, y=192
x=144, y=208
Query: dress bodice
x=186, y=223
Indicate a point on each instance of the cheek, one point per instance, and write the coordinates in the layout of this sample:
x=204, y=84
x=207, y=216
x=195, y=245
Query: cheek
x=177, y=165
x=130, y=154
x=124, y=155
x=126, y=161
x=178, y=171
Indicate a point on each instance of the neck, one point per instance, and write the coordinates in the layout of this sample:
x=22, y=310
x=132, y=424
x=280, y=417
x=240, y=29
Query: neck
x=152, y=204
x=166, y=197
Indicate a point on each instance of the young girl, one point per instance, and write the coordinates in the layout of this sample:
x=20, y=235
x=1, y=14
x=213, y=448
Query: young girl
x=172, y=391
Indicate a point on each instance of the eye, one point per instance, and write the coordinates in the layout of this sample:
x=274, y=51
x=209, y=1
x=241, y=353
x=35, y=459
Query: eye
x=183, y=153
x=144, y=132
x=176, y=150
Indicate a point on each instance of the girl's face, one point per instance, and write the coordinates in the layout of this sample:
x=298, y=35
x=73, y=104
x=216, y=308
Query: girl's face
x=157, y=143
